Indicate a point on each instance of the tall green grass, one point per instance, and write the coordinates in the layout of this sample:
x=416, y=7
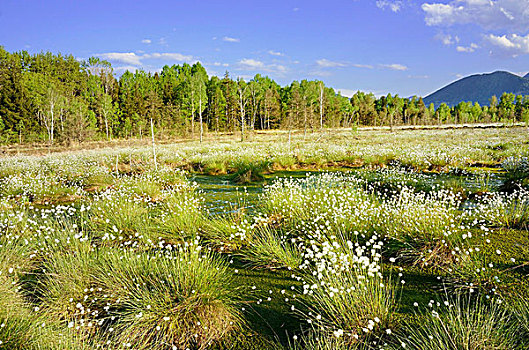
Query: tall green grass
x=463, y=324
x=187, y=298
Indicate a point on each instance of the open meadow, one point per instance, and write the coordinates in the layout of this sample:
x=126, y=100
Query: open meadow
x=343, y=239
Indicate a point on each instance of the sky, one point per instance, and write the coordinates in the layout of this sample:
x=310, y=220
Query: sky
x=382, y=46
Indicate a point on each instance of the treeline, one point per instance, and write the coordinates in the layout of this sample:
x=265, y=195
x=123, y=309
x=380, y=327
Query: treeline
x=47, y=97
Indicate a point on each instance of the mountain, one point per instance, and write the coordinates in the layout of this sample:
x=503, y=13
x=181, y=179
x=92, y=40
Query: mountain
x=479, y=88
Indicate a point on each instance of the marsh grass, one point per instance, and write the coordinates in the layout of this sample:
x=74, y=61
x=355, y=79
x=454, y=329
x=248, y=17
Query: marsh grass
x=69, y=293
x=269, y=248
x=14, y=316
x=22, y=328
x=216, y=168
x=520, y=308
x=318, y=340
x=183, y=215
x=228, y=232
x=353, y=304
x=246, y=172
x=345, y=294
x=183, y=299
x=463, y=323
x=506, y=210
x=118, y=217
x=112, y=269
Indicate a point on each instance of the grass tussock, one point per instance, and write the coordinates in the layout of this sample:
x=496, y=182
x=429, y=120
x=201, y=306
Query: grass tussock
x=463, y=324
x=185, y=299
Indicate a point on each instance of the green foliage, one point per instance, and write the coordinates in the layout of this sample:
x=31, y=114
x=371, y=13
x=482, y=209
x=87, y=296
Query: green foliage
x=56, y=98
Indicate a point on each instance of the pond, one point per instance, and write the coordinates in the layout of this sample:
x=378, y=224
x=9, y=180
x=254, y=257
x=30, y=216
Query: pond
x=222, y=194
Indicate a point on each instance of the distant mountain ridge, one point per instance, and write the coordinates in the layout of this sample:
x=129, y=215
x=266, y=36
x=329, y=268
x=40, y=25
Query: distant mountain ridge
x=479, y=88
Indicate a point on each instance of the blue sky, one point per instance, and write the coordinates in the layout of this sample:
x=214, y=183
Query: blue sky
x=398, y=46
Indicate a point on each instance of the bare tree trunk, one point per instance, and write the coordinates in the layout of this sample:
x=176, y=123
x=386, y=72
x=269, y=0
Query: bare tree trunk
x=200, y=116
x=153, y=146
x=321, y=105
x=242, y=121
x=61, y=118
x=106, y=125
x=216, y=124
x=52, y=124
x=192, y=115
x=254, y=111
x=242, y=104
x=304, y=122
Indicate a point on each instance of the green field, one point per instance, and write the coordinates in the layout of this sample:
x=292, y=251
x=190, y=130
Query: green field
x=362, y=239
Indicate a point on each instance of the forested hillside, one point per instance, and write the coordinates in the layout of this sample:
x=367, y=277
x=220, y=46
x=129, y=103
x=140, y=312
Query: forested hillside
x=480, y=88
x=55, y=98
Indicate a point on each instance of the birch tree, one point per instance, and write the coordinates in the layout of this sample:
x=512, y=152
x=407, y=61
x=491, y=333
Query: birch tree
x=321, y=103
x=46, y=97
x=242, y=90
x=199, y=93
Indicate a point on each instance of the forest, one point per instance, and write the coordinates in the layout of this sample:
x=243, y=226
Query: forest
x=56, y=98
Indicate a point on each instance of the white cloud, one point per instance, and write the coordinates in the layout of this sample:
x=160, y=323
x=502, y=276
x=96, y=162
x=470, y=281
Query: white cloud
x=325, y=63
x=447, y=39
x=251, y=63
x=394, y=66
x=467, y=49
x=255, y=65
x=512, y=44
x=169, y=56
x=275, y=53
x=329, y=64
x=230, y=40
x=394, y=6
x=278, y=68
x=122, y=69
x=146, y=41
x=320, y=73
x=129, y=58
x=162, y=41
x=368, y=66
x=346, y=92
x=489, y=14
